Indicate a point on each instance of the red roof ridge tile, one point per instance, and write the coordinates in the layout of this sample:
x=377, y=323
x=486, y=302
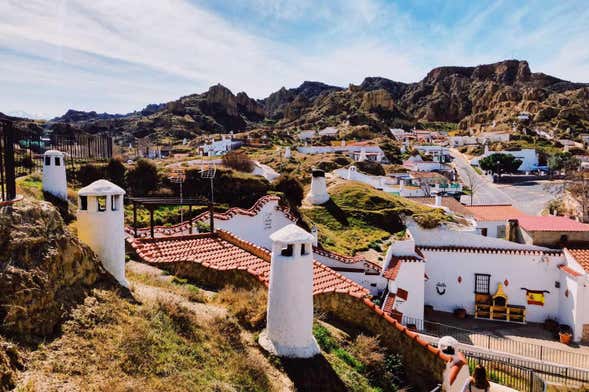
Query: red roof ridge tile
x=474, y=249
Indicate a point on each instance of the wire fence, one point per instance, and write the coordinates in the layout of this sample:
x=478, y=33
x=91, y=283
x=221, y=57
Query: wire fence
x=21, y=152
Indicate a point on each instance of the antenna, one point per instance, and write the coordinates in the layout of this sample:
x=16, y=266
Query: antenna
x=178, y=176
x=209, y=172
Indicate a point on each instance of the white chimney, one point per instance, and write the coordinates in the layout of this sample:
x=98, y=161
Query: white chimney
x=54, y=177
x=318, y=193
x=362, y=156
x=101, y=225
x=352, y=172
x=315, y=234
x=287, y=152
x=438, y=199
x=289, y=330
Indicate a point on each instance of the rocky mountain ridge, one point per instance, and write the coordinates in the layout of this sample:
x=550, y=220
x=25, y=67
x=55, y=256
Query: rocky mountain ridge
x=473, y=97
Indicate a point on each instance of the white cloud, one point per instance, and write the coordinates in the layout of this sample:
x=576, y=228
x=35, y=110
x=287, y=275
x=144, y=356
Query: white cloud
x=113, y=55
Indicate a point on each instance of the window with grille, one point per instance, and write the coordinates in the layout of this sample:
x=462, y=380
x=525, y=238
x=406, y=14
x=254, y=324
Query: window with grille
x=482, y=283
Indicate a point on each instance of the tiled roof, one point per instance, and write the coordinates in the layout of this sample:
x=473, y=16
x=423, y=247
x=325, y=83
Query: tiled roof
x=466, y=249
x=449, y=202
x=551, y=223
x=182, y=228
x=569, y=271
x=501, y=212
x=389, y=301
x=346, y=259
x=581, y=256
x=395, y=265
x=223, y=251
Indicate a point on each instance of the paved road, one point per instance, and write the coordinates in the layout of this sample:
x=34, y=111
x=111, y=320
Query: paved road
x=485, y=191
x=530, y=196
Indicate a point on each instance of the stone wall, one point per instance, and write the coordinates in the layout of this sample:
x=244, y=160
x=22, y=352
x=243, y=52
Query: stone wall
x=425, y=366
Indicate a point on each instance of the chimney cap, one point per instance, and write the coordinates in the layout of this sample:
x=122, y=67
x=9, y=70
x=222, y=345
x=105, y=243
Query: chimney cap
x=318, y=173
x=101, y=188
x=291, y=234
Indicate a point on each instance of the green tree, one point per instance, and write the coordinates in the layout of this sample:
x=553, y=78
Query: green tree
x=563, y=161
x=143, y=178
x=392, y=152
x=500, y=163
x=239, y=161
x=115, y=171
x=292, y=188
x=89, y=173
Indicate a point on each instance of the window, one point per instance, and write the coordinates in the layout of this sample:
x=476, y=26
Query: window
x=47, y=161
x=304, y=250
x=83, y=203
x=287, y=251
x=484, y=231
x=482, y=283
x=114, y=202
x=57, y=161
x=101, y=201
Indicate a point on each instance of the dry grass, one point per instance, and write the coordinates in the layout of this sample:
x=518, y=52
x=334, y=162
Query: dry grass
x=111, y=344
x=248, y=306
x=173, y=284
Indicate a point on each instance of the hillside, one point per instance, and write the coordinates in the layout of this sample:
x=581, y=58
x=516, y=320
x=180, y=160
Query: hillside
x=472, y=97
x=359, y=217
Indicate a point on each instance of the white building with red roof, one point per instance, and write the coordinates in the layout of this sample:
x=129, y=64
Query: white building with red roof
x=491, y=278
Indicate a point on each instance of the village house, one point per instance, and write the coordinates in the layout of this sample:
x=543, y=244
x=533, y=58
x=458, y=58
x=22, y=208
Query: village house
x=358, y=151
x=219, y=147
x=307, y=135
x=528, y=156
x=329, y=132
x=492, y=220
x=490, y=278
x=417, y=164
x=437, y=153
x=550, y=231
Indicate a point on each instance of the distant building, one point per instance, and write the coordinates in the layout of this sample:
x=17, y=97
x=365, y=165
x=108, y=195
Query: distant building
x=528, y=156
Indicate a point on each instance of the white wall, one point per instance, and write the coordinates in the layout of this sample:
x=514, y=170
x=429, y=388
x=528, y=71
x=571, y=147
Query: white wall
x=410, y=278
x=257, y=228
x=570, y=307
x=529, y=271
x=492, y=228
x=373, y=282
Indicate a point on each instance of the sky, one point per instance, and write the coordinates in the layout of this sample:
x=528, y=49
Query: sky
x=117, y=56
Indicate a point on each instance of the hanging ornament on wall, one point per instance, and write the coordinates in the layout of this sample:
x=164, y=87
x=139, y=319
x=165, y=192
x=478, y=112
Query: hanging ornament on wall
x=506, y=282
x=459, y=279
x=566, y=293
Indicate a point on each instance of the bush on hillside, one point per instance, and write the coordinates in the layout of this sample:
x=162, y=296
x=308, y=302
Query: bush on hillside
x=143, y=178
x=392, y=152
x=89, y=173
x=231, y=187
x=292, y=189
x=115, y=171
x=370, y=167
x=239, y=161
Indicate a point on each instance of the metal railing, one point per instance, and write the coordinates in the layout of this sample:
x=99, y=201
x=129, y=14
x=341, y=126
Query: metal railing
x=506, y=373
x=498, y=344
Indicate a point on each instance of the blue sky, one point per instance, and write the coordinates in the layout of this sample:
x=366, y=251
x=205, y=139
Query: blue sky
x=118, y=56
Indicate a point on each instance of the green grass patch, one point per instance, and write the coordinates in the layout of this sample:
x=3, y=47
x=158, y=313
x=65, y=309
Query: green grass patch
x=359, y=217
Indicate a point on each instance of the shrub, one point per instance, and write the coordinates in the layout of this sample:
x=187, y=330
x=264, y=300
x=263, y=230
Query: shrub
x=368, y=350
x=115, y=171
x=89, y=173
x=292, y=189
x=324, y=338
x=370, y=167
x=239, y=161
x=143, y=178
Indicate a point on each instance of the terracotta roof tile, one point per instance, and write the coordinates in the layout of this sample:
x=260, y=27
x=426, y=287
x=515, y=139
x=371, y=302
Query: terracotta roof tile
x=395, y=265
x=495, y=212
x=551, y=223
x=473, y=249
x=389, y=301
x=581, y=256
x=226, y=252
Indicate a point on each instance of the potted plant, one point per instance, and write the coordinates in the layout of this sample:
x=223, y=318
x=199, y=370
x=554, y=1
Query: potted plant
x=460, y=313
x=565, y=334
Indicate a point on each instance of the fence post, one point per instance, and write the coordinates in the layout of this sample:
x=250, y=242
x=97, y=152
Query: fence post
x=10, y=174
x=489, y=342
